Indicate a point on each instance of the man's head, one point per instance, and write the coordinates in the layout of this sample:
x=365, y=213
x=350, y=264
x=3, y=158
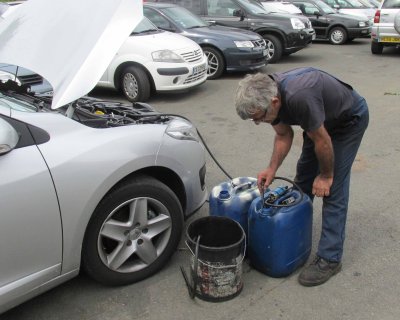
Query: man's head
x=257, y=98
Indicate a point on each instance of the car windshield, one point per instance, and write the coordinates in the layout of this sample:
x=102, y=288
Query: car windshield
x=253, y=7
x=326, y=8
x=391, y=4
x=16, y=104
x=184, y=17
x=350, y=4
x=145, y=26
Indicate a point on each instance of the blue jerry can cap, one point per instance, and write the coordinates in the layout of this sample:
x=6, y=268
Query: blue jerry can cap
x=224, y=194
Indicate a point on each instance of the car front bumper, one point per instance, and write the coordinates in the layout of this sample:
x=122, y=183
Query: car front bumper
x=298, y=40
x=359, y=32
x=243, y=59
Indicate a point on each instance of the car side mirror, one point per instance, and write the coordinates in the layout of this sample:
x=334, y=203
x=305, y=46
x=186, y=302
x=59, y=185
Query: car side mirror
x=336, y=6
x=238, y=13
x=317, y=13
x=9, y=137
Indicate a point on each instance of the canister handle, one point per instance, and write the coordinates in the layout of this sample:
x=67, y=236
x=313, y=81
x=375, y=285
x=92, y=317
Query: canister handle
x=243, y=186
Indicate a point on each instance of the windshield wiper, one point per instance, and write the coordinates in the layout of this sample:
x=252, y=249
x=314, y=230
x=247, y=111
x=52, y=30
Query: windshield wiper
x=193, y=27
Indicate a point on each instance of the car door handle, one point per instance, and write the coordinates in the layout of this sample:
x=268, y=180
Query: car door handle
x=212, y=21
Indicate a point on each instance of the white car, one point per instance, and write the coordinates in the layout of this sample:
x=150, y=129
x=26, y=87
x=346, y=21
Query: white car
x=85, y=184
x=154, y=60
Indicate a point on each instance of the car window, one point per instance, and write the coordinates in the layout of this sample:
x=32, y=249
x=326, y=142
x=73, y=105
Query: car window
x=192, y=5
x=221, y=7
x=16, y=104
x=326, y=8
x=391, y=4
x=307, y=8
x=184, y=18
x=156, y=18
x=332, y=3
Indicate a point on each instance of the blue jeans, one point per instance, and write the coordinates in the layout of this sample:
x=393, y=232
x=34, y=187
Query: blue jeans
x=346, y=142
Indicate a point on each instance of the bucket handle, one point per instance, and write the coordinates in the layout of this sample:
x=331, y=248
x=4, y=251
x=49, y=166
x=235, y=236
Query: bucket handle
x=213, y=266
x=192, y=287
x=244, y=186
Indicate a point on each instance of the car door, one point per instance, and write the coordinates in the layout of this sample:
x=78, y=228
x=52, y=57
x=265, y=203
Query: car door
x=222, y=13
x=319, y=21
x=30, y=223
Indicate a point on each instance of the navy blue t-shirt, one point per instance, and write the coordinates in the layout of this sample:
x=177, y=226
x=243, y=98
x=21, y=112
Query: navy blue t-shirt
x=313, y=98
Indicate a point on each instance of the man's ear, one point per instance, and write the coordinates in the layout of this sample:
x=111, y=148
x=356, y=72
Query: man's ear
x=276, y=103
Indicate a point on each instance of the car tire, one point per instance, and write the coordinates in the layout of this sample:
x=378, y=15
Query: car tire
x=216, y=63
x=337, y=35
x=135, y=84
x=274, y=48
x=376, y=47
x=133, y=232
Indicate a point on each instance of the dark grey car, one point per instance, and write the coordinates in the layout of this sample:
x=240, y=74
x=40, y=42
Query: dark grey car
x=227, y=49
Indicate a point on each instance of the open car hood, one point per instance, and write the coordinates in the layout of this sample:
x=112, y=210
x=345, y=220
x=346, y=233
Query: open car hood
x=68, y=42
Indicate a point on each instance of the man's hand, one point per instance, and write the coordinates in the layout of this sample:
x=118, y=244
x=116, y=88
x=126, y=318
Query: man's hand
x=322, y=186
x=265, y=178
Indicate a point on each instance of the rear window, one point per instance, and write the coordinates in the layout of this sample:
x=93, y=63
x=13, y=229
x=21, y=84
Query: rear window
x=391, y=4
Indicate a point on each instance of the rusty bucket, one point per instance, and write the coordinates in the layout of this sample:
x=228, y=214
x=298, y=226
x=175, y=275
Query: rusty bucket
x=218, y=246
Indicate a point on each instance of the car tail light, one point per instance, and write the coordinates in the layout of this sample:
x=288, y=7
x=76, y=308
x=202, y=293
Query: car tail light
x=377, y=16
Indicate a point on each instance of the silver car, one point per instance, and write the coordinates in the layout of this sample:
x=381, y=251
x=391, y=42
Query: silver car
x=86, y=183
x=386, y=27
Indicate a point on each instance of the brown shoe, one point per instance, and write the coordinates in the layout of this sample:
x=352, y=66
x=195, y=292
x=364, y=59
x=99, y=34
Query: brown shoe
x=318, y=272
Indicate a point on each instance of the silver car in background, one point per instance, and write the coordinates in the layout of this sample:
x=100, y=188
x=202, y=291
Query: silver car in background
x=386, y=27
x=86, y=183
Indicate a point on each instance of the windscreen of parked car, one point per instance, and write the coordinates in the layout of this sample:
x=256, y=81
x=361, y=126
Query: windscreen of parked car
x=253, y=7
x=326, y=8
x=350, y=4
x=145, y=26
x=184, y=17
x=391, y=4
x=16, y=104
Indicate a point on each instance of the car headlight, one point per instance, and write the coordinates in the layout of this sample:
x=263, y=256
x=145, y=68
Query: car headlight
x=362, y=24
x=297, y=23
x=244, y=44
x=182, y=130
x=5, y=76
x=166, y=56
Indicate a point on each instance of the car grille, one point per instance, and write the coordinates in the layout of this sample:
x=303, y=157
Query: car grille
x=192, y=56
x=195, y=77
x=259, y=43
x=31, y=79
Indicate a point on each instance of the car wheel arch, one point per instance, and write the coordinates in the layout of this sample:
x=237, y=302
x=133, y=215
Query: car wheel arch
x=122, y=66
x=212, y=46
x=90, y=257
x=337, y=26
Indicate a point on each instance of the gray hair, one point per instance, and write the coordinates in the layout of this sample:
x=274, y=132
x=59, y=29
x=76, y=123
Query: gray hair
x=254, y=93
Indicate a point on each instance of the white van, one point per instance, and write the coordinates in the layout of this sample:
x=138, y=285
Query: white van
x=153, y=60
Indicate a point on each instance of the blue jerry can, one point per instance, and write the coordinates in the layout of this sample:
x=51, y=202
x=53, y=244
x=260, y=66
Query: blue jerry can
x=233, y=198
x=280, y=231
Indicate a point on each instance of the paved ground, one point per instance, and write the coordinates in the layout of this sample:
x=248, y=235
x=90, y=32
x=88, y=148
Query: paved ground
x=369, y=285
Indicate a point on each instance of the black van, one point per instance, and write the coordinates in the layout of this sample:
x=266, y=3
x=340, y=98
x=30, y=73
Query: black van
x=284, y=33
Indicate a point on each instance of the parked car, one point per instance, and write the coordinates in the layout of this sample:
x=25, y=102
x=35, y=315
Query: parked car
x=283, y=33
x=227, y=49
x=353, y=7
x=153, y=60
x=86, y=183
x=329, y=25
x=386, y=28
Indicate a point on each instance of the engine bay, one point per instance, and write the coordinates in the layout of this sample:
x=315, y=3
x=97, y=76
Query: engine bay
x=92, y=112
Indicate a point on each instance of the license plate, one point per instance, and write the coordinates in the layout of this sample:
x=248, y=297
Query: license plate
x=199, y=69
x=389, y=39
x=265, y=52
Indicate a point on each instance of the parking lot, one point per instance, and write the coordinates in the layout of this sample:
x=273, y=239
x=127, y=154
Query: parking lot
x=369, y=285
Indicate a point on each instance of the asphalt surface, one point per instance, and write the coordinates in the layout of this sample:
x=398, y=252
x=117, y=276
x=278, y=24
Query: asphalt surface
x=368, y=286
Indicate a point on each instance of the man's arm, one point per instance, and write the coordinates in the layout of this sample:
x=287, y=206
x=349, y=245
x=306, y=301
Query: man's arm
x=324, y=152
x=282, y=144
